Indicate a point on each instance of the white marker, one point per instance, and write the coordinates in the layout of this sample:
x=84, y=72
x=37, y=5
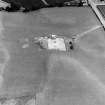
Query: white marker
x=25, y=45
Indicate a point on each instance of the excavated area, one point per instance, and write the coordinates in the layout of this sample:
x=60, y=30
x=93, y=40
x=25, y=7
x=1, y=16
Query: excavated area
x=55, y=78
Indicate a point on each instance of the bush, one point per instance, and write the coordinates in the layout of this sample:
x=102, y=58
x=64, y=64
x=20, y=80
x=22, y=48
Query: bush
x=30, y=5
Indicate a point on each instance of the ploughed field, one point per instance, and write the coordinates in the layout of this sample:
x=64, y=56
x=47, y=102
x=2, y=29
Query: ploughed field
x=58, y=78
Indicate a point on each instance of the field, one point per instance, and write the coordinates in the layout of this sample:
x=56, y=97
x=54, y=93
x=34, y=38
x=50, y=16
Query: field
x=75, y=78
